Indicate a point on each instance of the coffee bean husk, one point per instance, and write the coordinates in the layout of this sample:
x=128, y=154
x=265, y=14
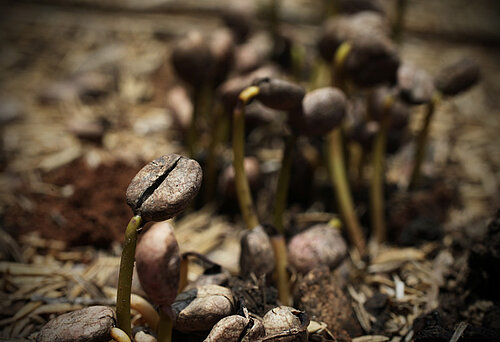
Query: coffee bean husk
x=158, y=264
x=285, y=323
x=257, y=256
x=320, y=245
x=92, y=324
x=164, y=187
x=237, y=328
x=198, y=309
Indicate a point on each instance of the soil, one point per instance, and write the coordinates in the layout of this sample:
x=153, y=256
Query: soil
x=87, y=216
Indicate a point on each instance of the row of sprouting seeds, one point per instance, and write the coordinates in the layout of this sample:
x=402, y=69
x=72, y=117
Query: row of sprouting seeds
x=362, y=59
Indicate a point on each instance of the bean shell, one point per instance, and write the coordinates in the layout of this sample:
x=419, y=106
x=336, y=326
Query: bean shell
x=158, y=264
x=164, y=187
x=198, y=309
x=92, y=324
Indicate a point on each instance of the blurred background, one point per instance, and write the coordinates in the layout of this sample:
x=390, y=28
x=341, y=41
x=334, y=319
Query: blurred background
x=84, y=89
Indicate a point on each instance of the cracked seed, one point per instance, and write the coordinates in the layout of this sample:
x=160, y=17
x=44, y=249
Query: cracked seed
x=164, y=187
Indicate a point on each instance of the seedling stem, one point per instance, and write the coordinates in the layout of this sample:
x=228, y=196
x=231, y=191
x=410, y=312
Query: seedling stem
x=336, y=161
x=125, y=276
x=377, y=179
x=422, y=141
x=283, y=182
x=339, y=179
x=241, y=180
x=165, y=328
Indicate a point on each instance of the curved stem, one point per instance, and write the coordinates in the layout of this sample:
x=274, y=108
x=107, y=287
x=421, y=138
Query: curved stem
x=165, y=328
x=283, y=183
x=147, y=311
x=281, y=273
x=344, y=198
x=422, y=143
x=377, y=205
x=241, y=180
x=125, y=276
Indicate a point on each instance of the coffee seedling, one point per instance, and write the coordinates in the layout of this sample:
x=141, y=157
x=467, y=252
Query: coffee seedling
x=383, y=107
x=452, y=80
x=193, y=62
x=280, y=95
x=160, y=190
x=360, y=52
x=322, y=112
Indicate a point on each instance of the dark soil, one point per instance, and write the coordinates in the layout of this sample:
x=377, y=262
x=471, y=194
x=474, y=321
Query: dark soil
x=95, y=214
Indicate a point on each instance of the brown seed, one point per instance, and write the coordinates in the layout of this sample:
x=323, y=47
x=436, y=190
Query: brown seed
x=285, y=323
x=415, y=85
x=279, y=94
x=198, y=309
x=317, y=246
x=237, y=328
x=458, y=77
x=229, y=91
x=193, y=60
x=373, y=59
x=158, y=264
x=322, y=110
x=339, y=29
x=257, y=255
x=164, y=187
x=92, y=324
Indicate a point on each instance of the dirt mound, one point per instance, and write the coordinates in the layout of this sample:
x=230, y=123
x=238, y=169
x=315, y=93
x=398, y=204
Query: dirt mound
x=96, y=212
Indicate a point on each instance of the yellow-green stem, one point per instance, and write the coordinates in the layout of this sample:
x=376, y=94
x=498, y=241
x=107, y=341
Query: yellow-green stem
x=281, y=274
x=164, y=328
x=339, y=179
x=377, y=206
x=125, y=276
x=241, y=180
x=283, y=183
x=422, y=142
